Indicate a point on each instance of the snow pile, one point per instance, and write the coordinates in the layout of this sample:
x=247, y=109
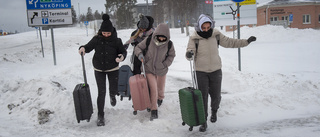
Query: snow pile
x=276, y=93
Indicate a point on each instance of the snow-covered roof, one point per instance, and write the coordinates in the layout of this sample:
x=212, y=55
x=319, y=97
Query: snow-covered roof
x=280, y=2
x=287, y=2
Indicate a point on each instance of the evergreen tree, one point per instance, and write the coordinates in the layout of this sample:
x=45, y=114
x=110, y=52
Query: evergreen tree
x=89, y=16
x=82, y=18
x=74, y=15
x=97, y=15
x=121, y=11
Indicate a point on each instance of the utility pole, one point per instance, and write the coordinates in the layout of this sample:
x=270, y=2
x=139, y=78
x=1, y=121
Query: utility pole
x=147, y=7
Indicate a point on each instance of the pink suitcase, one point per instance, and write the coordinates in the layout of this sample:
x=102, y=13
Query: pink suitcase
x=139, y=92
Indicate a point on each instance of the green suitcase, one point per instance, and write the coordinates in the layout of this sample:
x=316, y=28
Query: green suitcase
x=191, y=106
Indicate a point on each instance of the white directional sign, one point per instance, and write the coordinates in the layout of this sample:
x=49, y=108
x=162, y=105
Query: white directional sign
x=49, y=12
x=225, y=14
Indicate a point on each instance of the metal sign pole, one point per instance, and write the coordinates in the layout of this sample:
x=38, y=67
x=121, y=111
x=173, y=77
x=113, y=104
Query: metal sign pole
x=239, y=51
x=53, y=48
x=41, y=42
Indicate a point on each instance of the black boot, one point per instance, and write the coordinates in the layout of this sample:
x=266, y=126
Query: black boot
x=101, y=120
x=213, y=117
x=113, y=100
x=154, y=114
x=203, y=127
x=159, y=102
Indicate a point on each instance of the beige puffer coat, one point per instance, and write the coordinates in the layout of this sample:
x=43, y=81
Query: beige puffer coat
x=156, y=60
x=207, y=57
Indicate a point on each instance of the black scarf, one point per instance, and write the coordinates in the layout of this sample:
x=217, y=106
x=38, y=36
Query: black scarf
x=205, y=35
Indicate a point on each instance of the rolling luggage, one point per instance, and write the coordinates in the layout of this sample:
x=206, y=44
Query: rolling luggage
x=82, y=98
x=191, y=104
x=123, y=82
x=139, y=92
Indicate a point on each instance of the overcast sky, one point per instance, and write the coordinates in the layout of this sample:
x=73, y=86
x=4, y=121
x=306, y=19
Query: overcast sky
x=13, y=13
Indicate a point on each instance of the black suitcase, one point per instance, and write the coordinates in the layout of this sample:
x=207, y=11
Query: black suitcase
x=82, y=99
x=125, y=73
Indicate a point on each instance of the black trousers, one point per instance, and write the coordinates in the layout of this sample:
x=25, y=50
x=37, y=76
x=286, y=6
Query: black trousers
x=210, y=83
x=101, y=83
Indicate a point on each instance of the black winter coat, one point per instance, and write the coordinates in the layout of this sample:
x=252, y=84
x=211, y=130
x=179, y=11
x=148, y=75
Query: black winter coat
x=106, y=51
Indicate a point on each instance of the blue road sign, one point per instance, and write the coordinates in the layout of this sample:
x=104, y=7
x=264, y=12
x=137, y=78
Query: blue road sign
x=86, y=23
x=291, y=17
x=220, y=0
x=237, y=1
x=45, y=21
x=48, y=4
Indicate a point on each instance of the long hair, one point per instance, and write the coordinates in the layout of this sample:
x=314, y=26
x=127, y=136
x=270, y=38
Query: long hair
x=136, y=35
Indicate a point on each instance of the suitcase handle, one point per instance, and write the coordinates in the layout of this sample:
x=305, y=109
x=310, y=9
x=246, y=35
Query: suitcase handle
x=144, y=72
x=193, y=73
x=84, y=69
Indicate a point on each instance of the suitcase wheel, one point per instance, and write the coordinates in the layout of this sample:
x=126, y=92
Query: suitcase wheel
x=183, y=123
x=88, y=120
x=135, y=112
x=121, y=98
x=148, y=109
x=129, y=97
x=78, y=121
x=191, y=128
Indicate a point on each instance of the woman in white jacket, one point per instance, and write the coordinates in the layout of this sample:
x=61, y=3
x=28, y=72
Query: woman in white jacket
x=208, y=62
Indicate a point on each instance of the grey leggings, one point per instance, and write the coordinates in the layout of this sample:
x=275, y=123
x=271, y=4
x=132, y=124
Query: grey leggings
x=210, y=83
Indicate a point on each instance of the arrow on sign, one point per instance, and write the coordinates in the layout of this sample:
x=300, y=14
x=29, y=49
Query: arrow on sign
x=35, y=3
x=34, y=14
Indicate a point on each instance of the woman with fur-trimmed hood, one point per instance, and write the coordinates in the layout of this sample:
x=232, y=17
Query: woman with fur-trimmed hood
x=157, y=60
x=208, y=63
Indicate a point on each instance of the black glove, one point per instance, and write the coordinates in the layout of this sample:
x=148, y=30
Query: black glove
x=189, y=54
x=252, y=38
x=126, y=46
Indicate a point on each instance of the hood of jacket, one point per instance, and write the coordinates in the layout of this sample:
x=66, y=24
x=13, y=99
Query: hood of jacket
x=162, y=29
x=157, y=60
x=202, y=19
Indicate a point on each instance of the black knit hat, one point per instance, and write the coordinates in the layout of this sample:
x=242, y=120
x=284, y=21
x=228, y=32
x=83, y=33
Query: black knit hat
x=143, y=22
x=106, y=25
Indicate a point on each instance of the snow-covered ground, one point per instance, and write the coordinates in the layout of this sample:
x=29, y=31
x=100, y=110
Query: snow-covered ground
x=277, y=93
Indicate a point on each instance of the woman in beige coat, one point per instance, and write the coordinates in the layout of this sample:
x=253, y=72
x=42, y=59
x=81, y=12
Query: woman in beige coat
x=157, y=59
x=208, y=62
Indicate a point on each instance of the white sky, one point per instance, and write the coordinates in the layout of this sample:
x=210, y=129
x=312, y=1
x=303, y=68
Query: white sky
x=14, y=13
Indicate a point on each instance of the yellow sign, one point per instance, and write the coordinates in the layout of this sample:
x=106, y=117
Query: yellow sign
x=248, y=2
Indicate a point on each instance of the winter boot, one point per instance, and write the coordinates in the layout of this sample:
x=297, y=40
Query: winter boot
x=159, y=102
x=100, y=121
x=154, y=114
x=213, y=117
x=113, y=100
x=203, y=128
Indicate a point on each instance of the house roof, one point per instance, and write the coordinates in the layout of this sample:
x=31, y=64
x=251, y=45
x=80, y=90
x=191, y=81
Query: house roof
x=290, y=2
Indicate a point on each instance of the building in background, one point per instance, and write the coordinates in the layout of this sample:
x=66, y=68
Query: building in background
x=144, y=8
x=290, y=13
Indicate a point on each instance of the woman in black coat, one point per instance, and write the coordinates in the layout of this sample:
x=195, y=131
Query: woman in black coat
x=109, y=51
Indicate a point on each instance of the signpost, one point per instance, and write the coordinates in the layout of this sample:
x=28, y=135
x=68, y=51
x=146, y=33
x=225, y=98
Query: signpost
x=49, y=13
x=222, y=8
x=291, y=18
x=86, y=23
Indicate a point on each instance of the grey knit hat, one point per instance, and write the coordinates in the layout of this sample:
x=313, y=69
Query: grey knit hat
x=143, y=22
